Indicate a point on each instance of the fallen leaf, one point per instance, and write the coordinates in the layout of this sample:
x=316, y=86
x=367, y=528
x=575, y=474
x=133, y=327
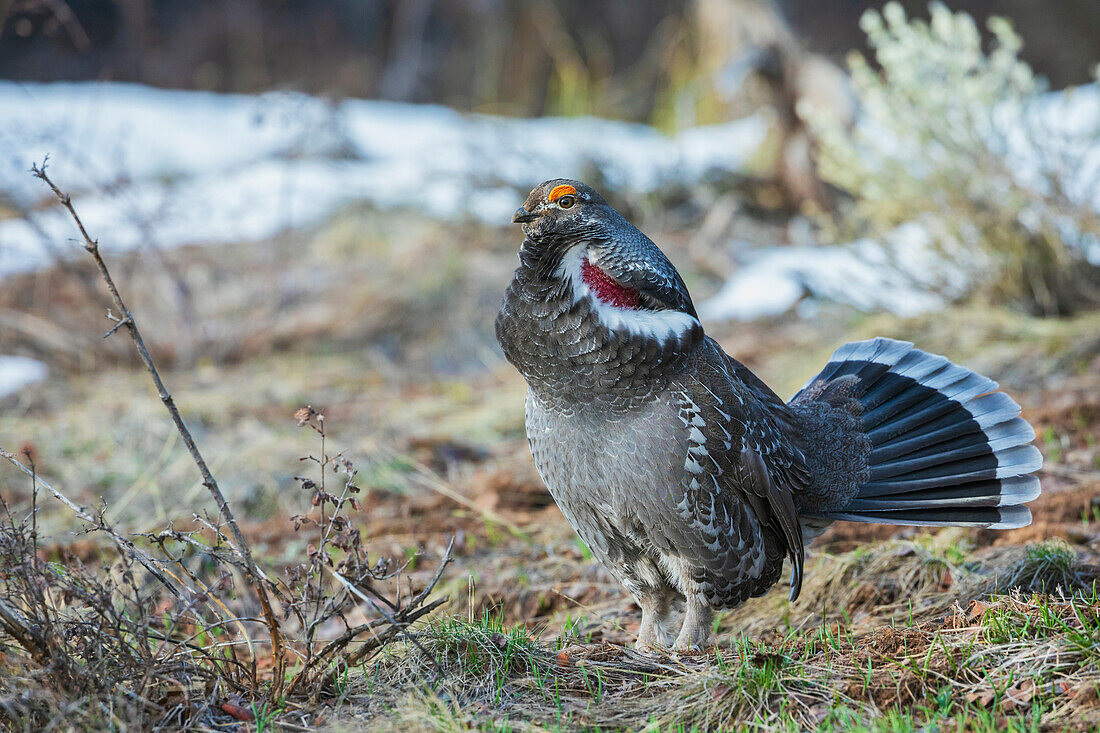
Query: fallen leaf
x=976, y=610
x=983, y=697
x=1018, y=696
x=236, y=711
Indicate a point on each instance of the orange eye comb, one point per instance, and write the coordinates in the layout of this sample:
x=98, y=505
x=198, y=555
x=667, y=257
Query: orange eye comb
x=560, y=191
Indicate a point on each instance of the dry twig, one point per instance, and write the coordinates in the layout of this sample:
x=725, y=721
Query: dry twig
x=115, y=647
x=92, y=247
x=125, y=546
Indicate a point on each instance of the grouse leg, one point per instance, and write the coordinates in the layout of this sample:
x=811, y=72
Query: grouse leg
x=695, y=634
x=654, y=631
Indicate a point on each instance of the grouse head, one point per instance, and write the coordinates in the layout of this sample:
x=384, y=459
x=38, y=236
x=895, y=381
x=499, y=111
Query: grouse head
x=575, y=238
x=596, y=314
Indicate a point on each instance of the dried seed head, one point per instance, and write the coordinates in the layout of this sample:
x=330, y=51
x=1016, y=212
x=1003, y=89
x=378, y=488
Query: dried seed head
x=303, y=415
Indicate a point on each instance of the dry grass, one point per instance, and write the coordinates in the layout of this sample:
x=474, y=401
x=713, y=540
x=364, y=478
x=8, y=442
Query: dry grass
x=132, y=659
x=896, y=629
x=1020, y=661
x=170, y=634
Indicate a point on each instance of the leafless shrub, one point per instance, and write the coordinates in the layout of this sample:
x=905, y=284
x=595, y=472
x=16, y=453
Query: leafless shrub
x=96, y=647
x=337, y=575
x=199, y=629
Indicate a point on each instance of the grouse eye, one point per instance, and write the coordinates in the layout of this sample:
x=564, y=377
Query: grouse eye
x=566, y=201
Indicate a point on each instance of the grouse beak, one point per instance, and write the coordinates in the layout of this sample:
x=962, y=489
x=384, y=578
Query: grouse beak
x=522, y=216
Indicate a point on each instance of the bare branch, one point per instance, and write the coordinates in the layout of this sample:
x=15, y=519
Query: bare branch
x=23, y=630
x=125, y=545
x=92, y=246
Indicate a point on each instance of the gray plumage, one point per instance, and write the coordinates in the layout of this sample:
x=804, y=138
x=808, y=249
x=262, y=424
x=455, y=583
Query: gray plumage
x=686, y=476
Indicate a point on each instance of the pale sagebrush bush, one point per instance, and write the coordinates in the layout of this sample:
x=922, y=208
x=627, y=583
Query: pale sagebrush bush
x=963, y=141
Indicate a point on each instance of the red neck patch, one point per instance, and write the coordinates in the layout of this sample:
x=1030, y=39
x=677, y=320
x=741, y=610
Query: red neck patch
x=606, y=289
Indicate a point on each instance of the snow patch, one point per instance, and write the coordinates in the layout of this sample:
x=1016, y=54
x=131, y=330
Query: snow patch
x=904, y=275
x=1059, y=133
x=17, y=372
x=169, y=167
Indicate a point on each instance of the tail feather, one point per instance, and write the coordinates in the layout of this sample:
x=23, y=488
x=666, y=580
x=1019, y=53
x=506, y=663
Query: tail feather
x=883, y=390
x=985, y=410
x=933, y=459
x=959, y=391
x=998, y=492
x=1011, y=517
x=914, y=445
x=947, y=449
x=1001, y=435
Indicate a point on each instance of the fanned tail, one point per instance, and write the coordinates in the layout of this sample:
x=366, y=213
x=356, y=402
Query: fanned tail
x=947, y=449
